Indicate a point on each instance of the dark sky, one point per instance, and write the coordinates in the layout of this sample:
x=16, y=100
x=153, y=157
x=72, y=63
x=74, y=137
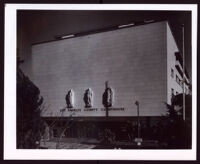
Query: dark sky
x=38, y=26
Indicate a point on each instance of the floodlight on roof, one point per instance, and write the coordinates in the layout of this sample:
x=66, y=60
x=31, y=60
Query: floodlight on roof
x=126, y=25
x=67, y=36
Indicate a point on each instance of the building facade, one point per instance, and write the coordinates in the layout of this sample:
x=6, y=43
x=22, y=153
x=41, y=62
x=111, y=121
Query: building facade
x=98, y=77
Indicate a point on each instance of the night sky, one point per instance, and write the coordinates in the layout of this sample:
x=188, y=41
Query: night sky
x=39, y=26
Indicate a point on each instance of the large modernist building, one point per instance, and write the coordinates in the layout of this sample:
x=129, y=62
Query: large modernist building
x=97, y=77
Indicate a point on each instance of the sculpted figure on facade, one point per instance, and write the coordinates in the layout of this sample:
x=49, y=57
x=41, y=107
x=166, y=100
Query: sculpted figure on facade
x=88, y=98
x=68, y=99
x=108, y=97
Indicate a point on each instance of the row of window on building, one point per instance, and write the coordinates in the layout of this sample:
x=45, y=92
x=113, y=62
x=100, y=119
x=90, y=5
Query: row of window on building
x=179, y=81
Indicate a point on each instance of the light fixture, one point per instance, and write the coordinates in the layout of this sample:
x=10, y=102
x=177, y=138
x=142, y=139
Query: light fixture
x=126, y=25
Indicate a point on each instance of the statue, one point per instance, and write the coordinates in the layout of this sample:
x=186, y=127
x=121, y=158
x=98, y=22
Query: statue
x=107, y=96
x=88, y=98
x=68, y=99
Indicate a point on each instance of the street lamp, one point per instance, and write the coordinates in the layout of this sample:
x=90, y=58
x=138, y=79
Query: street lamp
x=138, y=117
x=138, y=139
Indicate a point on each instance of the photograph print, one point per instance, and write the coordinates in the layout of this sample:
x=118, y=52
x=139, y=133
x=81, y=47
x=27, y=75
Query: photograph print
x=100, y=79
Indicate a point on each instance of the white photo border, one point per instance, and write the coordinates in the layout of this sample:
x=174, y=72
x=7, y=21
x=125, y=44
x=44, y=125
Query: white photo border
x=10, y=150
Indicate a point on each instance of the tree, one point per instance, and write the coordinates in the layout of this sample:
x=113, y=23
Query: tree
x=29, y=107
x=177, y=130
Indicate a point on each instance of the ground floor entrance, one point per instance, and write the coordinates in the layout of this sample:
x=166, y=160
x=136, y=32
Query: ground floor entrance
x=106, y=129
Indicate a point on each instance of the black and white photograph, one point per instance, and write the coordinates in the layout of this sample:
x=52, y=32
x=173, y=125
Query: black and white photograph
x=104, y=79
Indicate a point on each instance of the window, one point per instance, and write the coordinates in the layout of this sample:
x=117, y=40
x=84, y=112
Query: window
x=172, y=73
x=172, y=95
x=181, y=83
x=177, y=79
x=172, y=92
